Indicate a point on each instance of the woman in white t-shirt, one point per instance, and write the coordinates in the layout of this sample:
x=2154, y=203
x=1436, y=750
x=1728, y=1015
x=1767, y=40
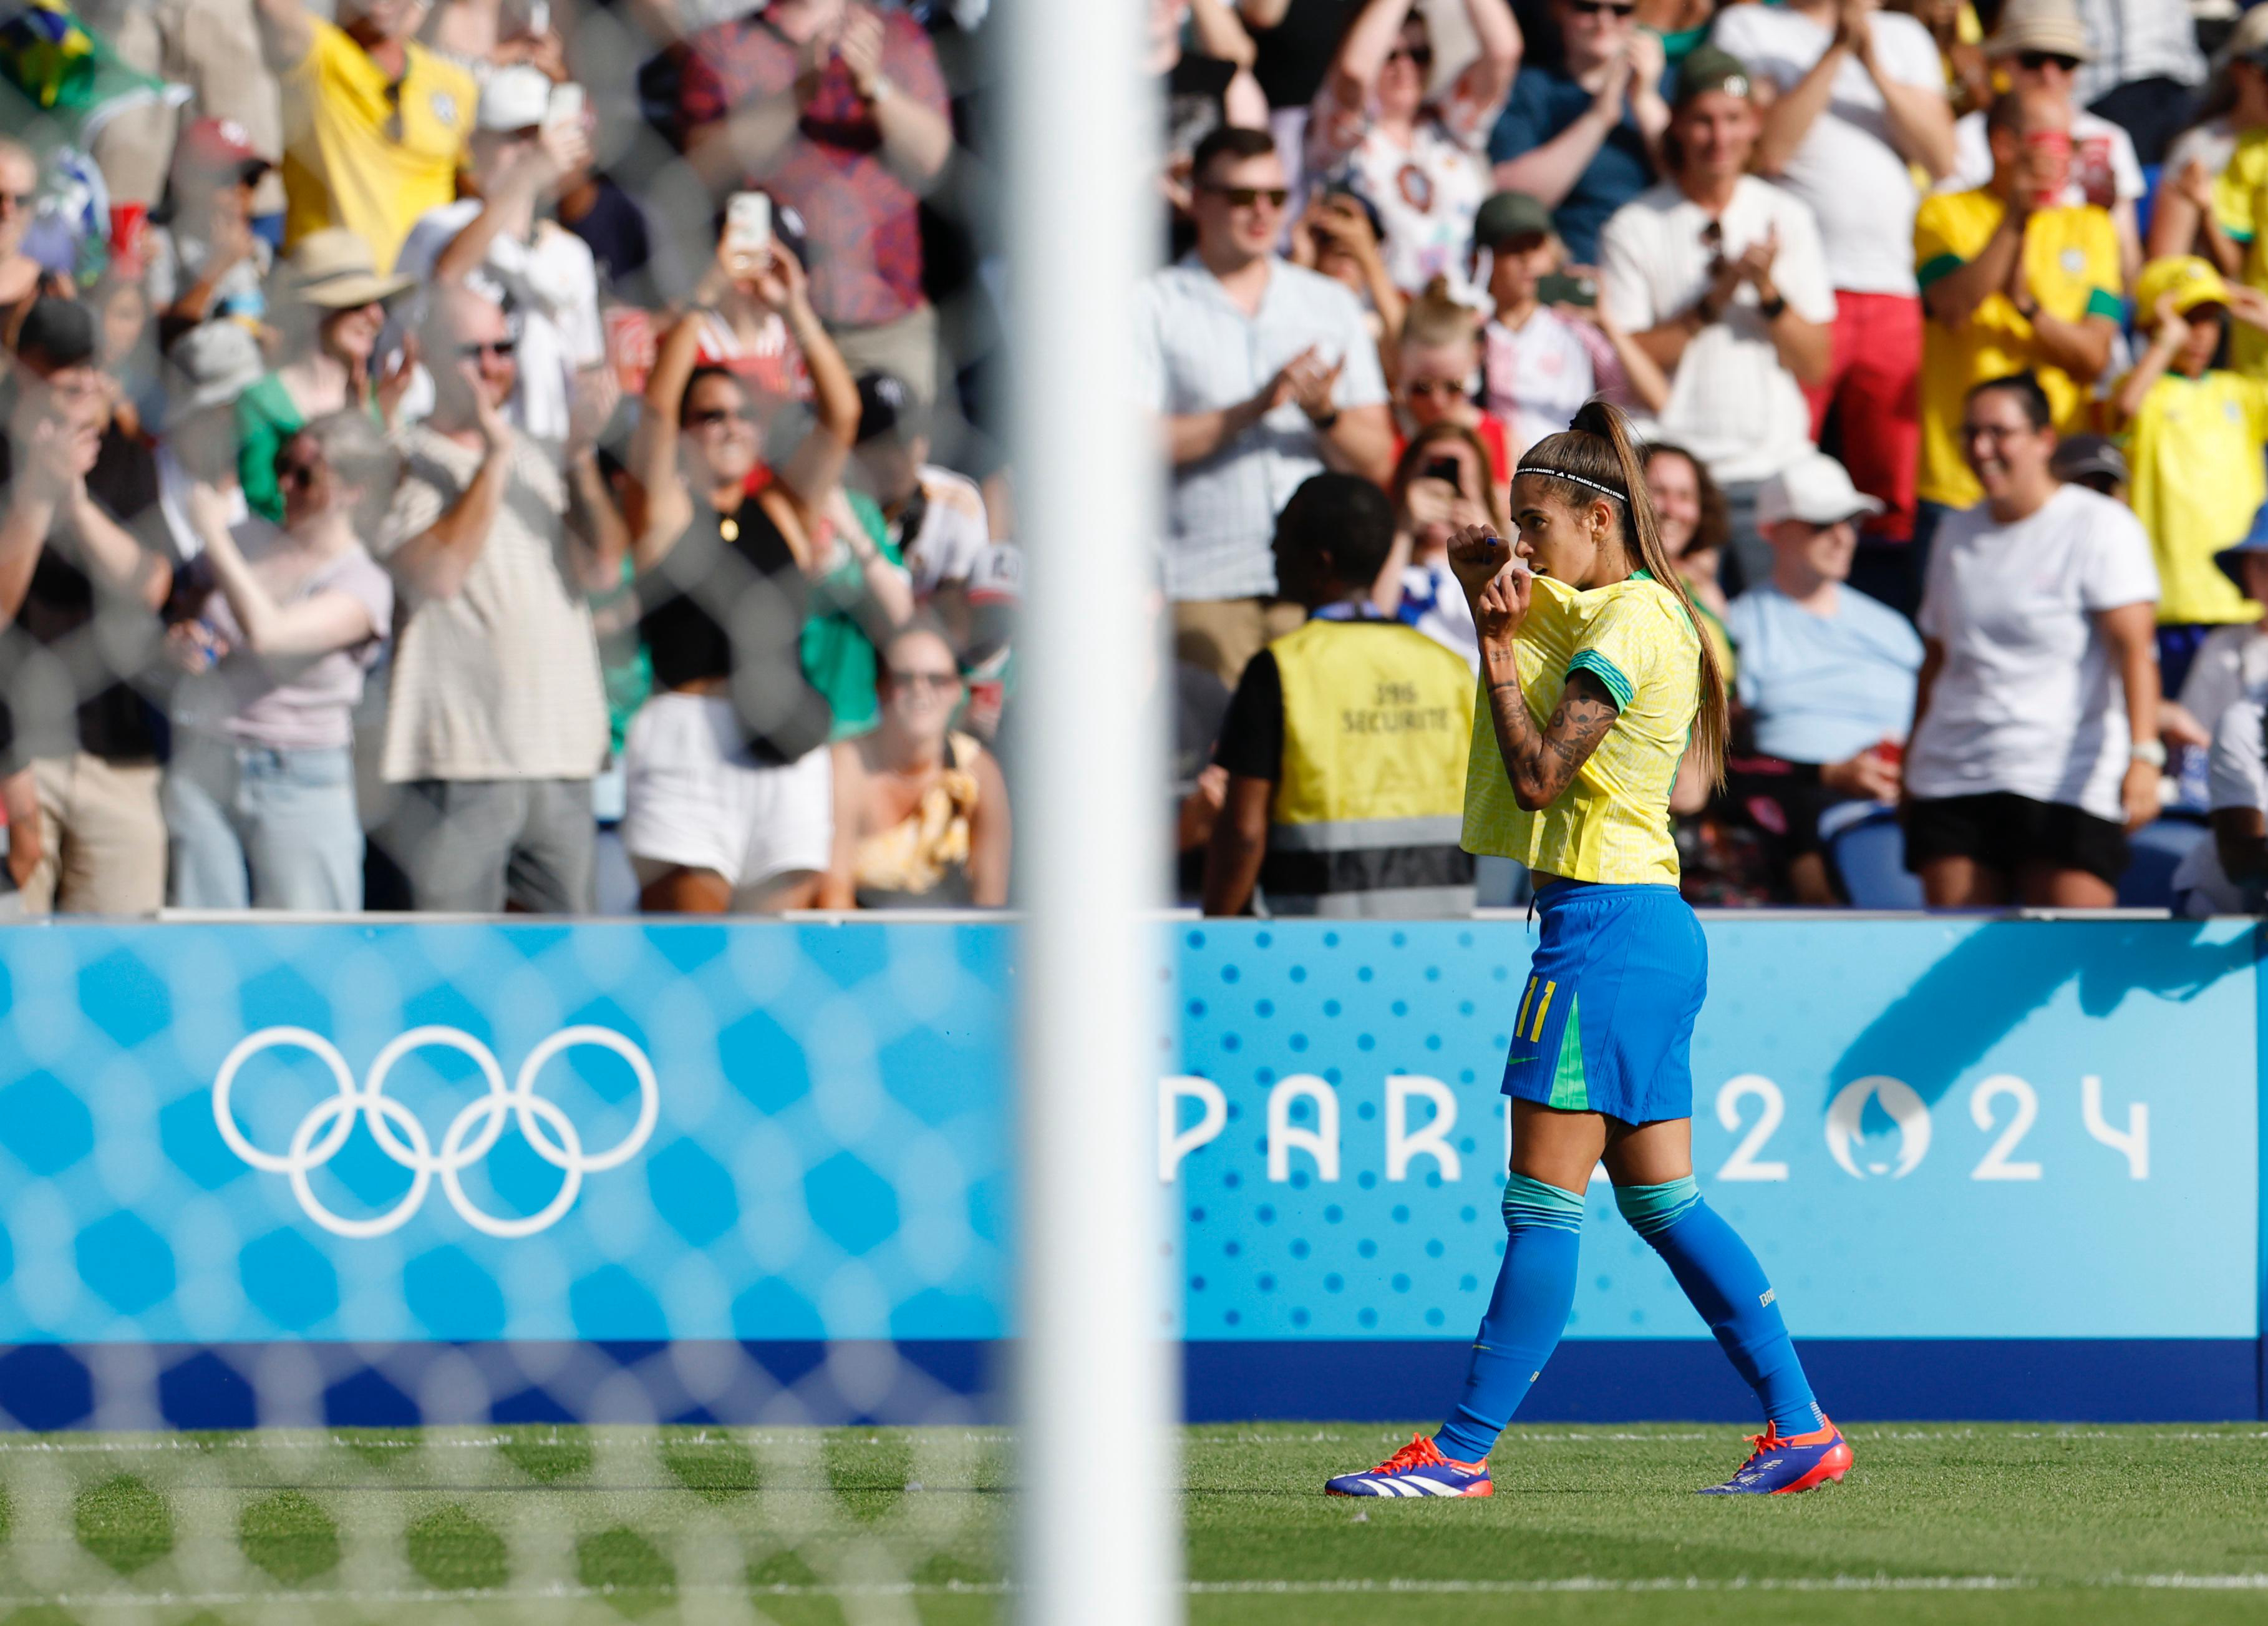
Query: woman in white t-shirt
x=2034, y=745
x=1421, y=163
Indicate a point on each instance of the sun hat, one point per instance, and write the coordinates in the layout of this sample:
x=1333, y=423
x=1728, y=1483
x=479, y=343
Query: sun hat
x=1814, y=489
x=2050, y=25
x=333, y=269
x=2191, y=281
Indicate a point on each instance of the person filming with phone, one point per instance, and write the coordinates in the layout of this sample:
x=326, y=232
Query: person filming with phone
x=838, y=110
x=528, y=136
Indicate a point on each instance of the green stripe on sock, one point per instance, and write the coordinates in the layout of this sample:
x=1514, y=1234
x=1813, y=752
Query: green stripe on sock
x=1531, y=1203
x=1652, y=1210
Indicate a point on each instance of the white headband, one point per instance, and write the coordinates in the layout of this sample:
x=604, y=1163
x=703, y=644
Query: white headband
x=1561, y=474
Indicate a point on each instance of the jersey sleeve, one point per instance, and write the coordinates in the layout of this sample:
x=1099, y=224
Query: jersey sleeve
x=1934, y=253
x=2106, y=277
x=2235, y=193
x=1621, y=646
x=2236, y=772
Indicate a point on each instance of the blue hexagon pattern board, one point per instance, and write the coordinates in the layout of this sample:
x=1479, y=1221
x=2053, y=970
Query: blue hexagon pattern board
x=1927, y=1129
x=228, y=1134
x=510, y=1137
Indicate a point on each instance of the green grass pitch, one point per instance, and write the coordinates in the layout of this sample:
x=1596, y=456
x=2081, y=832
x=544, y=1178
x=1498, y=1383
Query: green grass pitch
x=1936, y=1523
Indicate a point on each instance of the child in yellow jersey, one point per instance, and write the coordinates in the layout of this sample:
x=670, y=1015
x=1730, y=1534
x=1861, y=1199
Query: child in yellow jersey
x=1594, y=678
x=2197, y=432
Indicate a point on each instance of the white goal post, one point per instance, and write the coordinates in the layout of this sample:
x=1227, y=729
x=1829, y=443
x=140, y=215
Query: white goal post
x=1098, y=1530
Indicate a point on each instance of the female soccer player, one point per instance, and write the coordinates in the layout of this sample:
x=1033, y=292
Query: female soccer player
x=1596, y=678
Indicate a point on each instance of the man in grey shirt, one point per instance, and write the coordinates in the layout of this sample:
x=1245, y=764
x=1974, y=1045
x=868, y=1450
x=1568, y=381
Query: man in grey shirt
x=1262, y=374
x=495, y=719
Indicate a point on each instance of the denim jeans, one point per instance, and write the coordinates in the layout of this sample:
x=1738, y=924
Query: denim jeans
x=253, y=827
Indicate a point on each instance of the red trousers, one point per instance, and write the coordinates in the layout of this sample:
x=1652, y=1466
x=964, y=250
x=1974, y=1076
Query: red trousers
x=1875, y=381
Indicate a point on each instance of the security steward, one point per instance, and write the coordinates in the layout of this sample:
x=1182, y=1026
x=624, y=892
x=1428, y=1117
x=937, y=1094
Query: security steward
x=1346, y=741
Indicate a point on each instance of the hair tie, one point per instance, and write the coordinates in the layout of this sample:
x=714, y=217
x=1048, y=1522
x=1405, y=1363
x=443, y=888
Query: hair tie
x=1561, y=474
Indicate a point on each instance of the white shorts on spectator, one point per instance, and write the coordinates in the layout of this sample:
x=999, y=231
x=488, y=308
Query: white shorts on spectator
x=698, y=800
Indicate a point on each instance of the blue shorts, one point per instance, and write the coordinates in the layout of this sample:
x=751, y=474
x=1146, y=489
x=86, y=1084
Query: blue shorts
x=1605, y=1023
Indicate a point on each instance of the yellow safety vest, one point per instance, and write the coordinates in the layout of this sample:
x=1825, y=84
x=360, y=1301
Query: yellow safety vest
x=1370, y=801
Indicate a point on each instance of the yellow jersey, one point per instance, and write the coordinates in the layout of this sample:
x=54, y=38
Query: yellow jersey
x=2238, y=202
x=1612, y=821
x=2198, y=481
x=2071, y=261
x=366, y=152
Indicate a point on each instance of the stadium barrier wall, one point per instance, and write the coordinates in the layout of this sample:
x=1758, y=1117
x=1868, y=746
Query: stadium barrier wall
x=1996, y=1169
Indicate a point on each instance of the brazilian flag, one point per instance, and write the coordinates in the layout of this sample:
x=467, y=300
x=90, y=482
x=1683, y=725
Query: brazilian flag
x=60, y=80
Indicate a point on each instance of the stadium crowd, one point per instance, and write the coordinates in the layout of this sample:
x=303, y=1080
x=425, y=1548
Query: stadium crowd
x=487, y=454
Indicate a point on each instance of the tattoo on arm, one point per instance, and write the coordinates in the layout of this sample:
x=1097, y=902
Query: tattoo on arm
x=1542, y=764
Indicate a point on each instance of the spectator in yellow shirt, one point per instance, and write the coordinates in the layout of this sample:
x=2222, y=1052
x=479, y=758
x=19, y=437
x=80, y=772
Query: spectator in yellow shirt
x=2197, y=435
x=2013, y=281
x=374, y=124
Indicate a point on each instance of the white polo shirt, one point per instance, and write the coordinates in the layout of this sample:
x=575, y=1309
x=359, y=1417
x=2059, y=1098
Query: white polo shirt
x=1731, y=402
x=1197, y=351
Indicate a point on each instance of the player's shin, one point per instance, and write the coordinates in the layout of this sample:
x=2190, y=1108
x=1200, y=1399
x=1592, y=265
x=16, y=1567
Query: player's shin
x=1535, y=1290
x=1729, y=1287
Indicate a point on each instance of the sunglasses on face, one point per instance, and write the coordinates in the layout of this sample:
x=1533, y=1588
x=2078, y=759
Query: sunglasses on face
x=1247, y=197
x=710, y=416
x=17, y=201
x=1603, y=8
x=2036, y=61
x=479, y=348
x=297, y=473
x=1448, y=388
x=937, y=682
x=1420, y=56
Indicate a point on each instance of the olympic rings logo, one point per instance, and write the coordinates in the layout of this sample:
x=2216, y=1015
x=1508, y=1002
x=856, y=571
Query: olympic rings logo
x=469, y=1137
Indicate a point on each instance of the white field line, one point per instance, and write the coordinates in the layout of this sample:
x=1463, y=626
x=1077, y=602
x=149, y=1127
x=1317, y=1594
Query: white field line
x=1264, y=1588
x=256, y=1440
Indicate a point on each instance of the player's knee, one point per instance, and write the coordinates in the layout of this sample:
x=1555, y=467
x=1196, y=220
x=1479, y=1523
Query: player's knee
x=1653, y=1209
x=1530, y=1202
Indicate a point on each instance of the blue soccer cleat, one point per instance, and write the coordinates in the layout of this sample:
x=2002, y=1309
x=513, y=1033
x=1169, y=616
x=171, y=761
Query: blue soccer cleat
x=1419, y=1469
x=1784, y=1463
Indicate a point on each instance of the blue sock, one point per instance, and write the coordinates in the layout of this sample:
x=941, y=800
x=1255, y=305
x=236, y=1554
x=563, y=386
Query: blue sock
x=1535, y=1290
x=1729, y=1289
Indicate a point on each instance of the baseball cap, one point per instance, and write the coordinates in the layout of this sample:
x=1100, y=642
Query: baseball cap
x=2191, y=281
x=58, y=332
x=514, y=98
x=1708, y=68
x=216, y=147
x=212, y=363
x=1814, y=489
x=1507, y=215
x=2050, y=25
x=2082, y=457
x=888, y=406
